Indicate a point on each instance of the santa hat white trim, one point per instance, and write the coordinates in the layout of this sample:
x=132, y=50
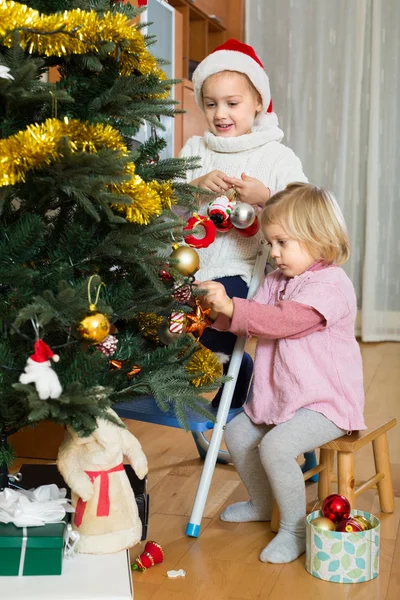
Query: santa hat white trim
x=232, y=60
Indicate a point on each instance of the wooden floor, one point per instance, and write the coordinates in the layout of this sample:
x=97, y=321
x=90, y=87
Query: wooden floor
x=223, y=563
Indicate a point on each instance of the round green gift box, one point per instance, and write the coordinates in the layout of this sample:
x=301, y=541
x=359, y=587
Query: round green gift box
x=343, y=557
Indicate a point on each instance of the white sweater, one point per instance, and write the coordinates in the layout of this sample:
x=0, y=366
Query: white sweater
x=259, y=154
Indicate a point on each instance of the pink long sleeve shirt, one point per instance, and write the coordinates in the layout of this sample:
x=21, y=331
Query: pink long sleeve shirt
x=307, y=355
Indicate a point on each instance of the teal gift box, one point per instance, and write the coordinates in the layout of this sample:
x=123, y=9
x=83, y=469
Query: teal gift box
x=343, y=557
x=32, y=550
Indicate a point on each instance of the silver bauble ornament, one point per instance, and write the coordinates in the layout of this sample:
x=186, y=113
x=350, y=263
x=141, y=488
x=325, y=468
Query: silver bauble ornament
x=165, y=335
x=243, y=215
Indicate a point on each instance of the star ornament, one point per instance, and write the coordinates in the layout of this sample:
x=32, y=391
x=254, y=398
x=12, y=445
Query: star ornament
x=198, y=321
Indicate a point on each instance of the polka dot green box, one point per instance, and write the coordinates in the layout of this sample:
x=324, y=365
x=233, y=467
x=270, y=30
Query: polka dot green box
x=343, y=557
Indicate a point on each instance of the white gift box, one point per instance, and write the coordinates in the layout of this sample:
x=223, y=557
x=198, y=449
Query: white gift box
x=84, y=577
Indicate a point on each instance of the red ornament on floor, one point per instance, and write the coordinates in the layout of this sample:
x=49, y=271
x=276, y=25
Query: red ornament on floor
x=336, y=508
x=152, y=555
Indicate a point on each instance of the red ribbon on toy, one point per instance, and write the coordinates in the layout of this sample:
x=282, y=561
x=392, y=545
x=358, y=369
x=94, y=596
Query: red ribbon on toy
x=103, y=505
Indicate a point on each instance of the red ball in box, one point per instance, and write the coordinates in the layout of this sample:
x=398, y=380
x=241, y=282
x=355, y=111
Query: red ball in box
x=336, y=508
x=349, y=526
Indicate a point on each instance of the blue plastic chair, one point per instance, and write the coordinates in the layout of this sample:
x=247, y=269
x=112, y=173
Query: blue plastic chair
x=146, y=409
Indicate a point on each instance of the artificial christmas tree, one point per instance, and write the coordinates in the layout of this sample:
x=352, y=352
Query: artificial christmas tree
x=86, y=224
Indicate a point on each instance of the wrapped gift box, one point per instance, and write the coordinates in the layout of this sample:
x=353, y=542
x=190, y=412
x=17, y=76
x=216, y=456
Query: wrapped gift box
x=34, y=475
x=31, y=550
x=343, y=557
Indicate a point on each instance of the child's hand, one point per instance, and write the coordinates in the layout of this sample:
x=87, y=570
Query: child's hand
x=249, y=190
x=217, y=298
x=213, y=181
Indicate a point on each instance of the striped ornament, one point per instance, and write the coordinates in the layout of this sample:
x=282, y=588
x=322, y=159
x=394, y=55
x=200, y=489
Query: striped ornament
x=177, y=321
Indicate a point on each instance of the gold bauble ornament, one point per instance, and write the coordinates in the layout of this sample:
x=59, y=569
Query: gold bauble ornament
x=94, y=328
x=323, y=523
x=188, y=260
x=365, y=524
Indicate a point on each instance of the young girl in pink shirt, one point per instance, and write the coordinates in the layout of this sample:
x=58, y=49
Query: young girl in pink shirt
x=308, y=382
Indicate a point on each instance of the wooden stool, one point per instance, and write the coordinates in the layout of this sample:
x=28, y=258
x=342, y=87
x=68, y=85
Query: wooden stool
x=345, y=447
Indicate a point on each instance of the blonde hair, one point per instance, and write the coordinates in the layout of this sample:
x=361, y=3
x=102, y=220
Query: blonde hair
x=229, y=73
x=312, y=216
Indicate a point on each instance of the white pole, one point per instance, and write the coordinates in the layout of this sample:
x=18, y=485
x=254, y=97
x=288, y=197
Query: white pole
x=193, y=527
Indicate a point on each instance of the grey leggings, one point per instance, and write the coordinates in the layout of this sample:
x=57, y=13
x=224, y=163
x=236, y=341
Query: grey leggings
x=265, y=458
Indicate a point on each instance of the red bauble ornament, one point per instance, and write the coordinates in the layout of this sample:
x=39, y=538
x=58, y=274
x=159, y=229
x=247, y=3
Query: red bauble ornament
x=209, y=228
x=336, y=508
x=250, y=231
x=349, y=526
x=152, y=555
x=164, y=275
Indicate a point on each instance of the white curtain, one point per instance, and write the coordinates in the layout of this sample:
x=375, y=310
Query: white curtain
x=334, y=69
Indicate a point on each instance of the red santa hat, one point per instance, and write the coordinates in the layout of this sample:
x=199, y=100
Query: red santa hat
x=43, y=353
x=234, y=56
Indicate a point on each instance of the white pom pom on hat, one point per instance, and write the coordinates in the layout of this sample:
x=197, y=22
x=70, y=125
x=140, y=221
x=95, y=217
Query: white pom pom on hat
x=234, y=56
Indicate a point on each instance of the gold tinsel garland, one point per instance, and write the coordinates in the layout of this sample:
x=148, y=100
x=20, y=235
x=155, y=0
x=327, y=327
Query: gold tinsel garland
x=206, y=362
x=77, y=32
x=38, y=146
x=148, y=326
x=148, y=199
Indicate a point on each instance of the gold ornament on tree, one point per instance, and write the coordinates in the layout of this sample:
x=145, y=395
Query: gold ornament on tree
x=148, y=326
x=95, y=327
x=204, y=367
x=323, y=523
x=188, y=260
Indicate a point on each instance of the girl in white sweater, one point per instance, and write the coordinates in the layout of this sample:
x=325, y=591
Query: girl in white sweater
x=240, y=150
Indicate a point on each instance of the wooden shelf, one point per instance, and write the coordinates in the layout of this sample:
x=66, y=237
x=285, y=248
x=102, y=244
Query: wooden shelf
x=202, y=31
x=200, y=26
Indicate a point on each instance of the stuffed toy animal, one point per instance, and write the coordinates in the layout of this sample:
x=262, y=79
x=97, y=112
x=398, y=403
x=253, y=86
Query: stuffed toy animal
x=106, y=514
x=38, y=371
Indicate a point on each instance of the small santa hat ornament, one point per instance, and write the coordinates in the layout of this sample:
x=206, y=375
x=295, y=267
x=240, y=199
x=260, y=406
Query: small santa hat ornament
x=43, y=353
x=234, y=56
